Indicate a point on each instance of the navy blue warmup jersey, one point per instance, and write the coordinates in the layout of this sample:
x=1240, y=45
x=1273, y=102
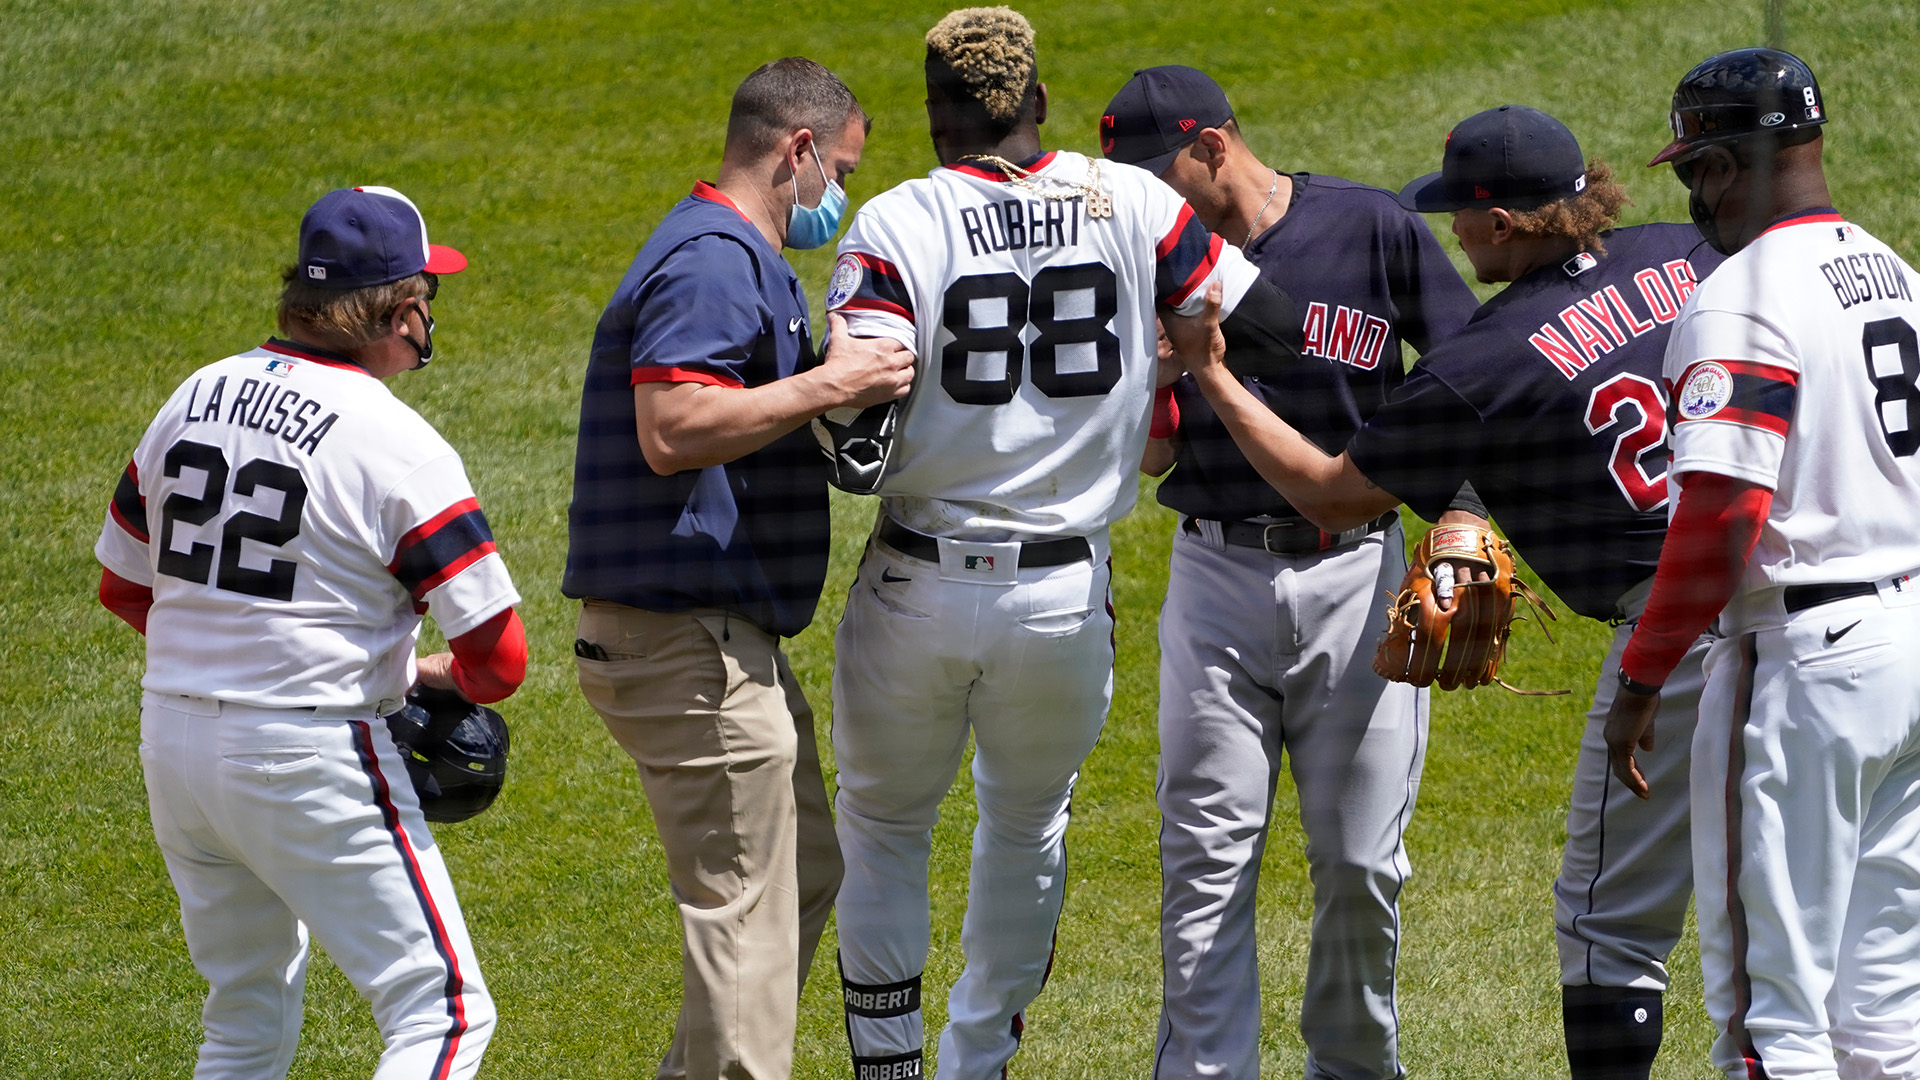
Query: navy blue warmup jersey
x=1551, y=403
x=1366, y=275
x=707, y=300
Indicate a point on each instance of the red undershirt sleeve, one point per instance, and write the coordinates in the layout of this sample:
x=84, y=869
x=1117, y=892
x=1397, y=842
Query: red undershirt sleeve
x=1715, y=527
x=490, y=660
x=127, y=599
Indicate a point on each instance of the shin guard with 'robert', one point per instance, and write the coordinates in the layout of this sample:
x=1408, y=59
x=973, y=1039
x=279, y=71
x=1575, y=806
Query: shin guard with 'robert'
x=878, y=1016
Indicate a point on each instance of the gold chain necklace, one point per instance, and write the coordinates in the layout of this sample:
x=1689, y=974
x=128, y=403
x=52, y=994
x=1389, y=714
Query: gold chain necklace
x=1099, y=204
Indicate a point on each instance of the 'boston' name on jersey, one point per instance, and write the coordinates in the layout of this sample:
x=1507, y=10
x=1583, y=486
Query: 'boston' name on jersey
x=1015, y=224
x=275, y=410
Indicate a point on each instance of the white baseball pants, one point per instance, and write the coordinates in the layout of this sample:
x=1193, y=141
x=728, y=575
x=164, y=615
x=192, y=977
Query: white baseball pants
x=1026, y=666
x=277, y=822
x=1806, y=844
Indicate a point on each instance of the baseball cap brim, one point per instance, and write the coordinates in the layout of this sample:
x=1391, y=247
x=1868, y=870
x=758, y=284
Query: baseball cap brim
x=444, y=260
x=1674, y=149
x=1428, y=195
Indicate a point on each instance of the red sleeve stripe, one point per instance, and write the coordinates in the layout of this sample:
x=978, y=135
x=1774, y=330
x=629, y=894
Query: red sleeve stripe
x=1199, y=274
x=129, y=507
x=1168, y=241
x=877, y=264
x=435, y=551
x=1762, y=396
x=874, y=303
x=674, y=374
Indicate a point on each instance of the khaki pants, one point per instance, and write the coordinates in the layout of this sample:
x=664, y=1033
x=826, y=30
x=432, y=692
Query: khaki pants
x=712, y=715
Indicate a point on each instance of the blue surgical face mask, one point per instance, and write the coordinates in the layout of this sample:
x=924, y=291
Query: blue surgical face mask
x=812, y=226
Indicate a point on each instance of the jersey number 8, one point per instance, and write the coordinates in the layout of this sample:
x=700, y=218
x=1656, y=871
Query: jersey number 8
x=1068, y=305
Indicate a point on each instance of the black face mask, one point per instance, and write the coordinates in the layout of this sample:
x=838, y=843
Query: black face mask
x=425, y=351
x=1686, y=171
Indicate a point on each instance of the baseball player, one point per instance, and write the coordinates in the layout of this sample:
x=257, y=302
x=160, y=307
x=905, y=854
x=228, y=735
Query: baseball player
x=1268, y=621
x=1549, y=401
x=1027, y=281
x=280, y=529
x=1796, y=384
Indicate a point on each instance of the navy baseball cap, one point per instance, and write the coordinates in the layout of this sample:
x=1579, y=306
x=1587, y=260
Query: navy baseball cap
x=1512, y=156
x=355, y=237
x=1159, y=111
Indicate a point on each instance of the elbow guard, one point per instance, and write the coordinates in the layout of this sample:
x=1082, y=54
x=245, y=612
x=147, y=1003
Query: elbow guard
x=1263, y=333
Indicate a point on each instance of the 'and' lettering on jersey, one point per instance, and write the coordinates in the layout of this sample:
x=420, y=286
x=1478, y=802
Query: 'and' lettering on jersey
x=1345, y=334
x=1592, y=325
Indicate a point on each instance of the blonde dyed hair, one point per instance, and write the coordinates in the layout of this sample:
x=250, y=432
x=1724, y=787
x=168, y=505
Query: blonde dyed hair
x=342, y=318
x=1581, y=218
x=990, y=51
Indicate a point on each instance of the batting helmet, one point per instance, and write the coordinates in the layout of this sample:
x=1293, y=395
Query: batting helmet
x=456, y=752
x=1737, y=94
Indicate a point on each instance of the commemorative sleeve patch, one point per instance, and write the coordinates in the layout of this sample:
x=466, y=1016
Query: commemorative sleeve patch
x=846, y=280
x=1759, y=396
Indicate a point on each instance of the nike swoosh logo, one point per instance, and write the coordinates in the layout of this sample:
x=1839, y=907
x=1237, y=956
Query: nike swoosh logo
x=884, y=576
x=1835, y=635
x=793, y=325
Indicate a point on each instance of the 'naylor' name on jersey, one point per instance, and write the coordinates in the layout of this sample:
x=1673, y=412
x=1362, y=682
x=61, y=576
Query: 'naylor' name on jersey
x=1592, y=325
x=271, y=410
x=1014, y=224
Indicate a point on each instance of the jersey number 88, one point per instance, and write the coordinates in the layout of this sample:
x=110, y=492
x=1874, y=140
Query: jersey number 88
x=1067, y=305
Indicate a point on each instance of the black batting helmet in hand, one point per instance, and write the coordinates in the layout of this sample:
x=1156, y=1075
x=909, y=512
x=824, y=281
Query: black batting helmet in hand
x=456, y=752
x=1737, y=94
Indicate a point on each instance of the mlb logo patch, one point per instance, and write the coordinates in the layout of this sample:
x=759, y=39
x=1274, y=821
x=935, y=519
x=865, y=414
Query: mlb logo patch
x=281, y=368
x=1580, y=264
x=317, y=273
x=981, y=563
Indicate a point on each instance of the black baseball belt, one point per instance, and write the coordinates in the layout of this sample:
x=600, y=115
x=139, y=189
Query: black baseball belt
x=1799, y=598
x=1295, y=536
x=1033, y=553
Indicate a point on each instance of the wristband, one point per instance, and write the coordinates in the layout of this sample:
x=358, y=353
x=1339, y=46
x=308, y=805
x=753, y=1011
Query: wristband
x=1632, y=687
x=1166, y=414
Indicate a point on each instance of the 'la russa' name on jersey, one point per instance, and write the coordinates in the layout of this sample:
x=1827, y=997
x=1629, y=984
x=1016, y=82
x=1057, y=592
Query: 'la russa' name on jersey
x=264, y=406
x=1016, y=224
x=1616, y=313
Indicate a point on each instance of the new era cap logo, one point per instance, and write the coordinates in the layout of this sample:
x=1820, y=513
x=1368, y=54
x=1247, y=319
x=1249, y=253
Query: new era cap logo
x=317, y=272
x=1188, y=125
x=1481, y=193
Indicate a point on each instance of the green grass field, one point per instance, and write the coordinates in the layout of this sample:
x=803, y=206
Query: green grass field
x=162, y=154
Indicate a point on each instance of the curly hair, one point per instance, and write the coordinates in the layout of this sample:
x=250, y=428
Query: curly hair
x=1581, y=218
x=989, y=50
x=343, y=318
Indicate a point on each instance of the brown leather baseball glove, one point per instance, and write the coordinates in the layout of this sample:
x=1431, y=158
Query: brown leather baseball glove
x=1463, y=644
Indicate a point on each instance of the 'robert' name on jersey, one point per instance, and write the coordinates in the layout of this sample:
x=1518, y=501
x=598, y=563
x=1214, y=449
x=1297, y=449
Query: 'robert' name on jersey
x=1014, y=224
x=273, y=410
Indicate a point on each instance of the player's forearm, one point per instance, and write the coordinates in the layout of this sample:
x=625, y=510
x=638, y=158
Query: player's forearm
x=1715, y=527
x=1331, y=492
x=490, y=660
x=129, y=600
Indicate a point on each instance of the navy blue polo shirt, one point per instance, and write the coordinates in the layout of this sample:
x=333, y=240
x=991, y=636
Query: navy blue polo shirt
x=706, y=300
x=1551, y=403
x=1366, y=275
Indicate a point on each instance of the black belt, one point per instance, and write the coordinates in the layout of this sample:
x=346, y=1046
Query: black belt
x=1032, y=553
x=1801, y=597
x=1294, y=537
